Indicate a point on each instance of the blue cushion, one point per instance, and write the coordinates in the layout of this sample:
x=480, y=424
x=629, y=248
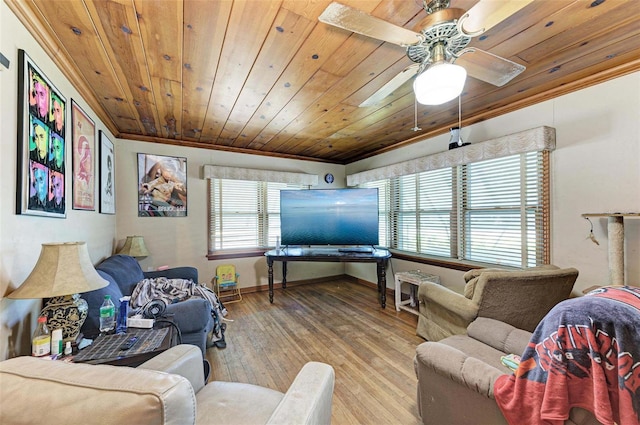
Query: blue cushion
x=125, y=270
x=91, y=327
x=191, y=315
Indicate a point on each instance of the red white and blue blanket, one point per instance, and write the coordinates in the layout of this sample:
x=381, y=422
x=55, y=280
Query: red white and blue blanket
x=584, y=353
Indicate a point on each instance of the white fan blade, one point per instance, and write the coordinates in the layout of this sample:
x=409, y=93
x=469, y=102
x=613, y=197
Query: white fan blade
x=354, y=20
x=397, y=81
x=488, y=13
x=488, y=67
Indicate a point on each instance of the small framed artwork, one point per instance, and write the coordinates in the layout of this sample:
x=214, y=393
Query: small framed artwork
x=162, y=186
x=84, y=185
x=41, y=143
x=107, y=175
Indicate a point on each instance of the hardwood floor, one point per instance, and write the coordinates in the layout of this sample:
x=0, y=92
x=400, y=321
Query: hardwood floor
x=338, y=322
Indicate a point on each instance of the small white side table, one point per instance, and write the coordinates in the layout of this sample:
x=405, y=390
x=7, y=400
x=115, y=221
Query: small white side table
x=414, y=278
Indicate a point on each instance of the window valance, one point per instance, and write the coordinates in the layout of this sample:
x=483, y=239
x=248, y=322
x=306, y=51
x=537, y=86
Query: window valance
x=533, y=140
x=251, y=174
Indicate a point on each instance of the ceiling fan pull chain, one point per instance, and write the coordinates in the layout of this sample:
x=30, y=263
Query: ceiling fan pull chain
x=460, y=111
x=415, y=114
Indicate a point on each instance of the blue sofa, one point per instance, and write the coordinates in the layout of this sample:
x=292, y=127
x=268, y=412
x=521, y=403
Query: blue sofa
x=192, y=316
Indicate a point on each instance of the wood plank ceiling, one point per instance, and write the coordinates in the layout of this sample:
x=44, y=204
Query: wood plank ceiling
x=266, y=77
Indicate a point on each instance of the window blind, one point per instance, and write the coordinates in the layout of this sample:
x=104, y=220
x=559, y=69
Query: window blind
x=494, y=211
x=435, y=212
x=503, y=206
x=422, y=207
x=383, y=209
x=244, y=214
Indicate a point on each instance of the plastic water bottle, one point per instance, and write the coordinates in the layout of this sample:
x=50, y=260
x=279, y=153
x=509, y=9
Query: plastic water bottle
x=107, y=315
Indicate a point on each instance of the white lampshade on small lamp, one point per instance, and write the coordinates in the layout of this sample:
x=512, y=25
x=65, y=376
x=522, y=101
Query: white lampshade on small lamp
x=135, y=247
x=440, y=83
x=63, y=271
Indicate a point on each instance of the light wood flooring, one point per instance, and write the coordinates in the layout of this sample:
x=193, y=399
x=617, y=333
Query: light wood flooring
x=338, y=322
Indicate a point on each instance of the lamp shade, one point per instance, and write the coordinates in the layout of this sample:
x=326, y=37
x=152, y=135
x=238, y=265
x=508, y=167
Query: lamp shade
x=62, y=269
x=439, y=83
x=134, y=246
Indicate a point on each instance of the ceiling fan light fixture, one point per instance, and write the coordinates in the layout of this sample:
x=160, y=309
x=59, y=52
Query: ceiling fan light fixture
x=439, y=83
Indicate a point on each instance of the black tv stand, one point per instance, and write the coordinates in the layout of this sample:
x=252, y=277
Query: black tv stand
x=377, y=255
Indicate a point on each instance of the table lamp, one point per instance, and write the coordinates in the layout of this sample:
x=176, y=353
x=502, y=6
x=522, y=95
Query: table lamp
x=134, y=246
x=63, y=271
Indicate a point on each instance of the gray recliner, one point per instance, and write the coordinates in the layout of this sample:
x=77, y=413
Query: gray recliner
x=456, y=376
x=520, y=298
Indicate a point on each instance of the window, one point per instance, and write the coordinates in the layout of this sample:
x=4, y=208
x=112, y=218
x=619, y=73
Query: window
x=383, y=209
x=494, y=211
x=244, y=214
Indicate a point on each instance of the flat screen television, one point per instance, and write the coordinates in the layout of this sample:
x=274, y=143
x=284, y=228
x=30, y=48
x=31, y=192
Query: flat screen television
x=345, y=217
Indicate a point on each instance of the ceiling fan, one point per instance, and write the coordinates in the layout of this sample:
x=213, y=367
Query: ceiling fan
x=439, y=50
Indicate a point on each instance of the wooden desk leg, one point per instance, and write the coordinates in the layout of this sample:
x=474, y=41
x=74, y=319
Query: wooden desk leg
x=270, y=273
x=382, y=282
x=284, y=275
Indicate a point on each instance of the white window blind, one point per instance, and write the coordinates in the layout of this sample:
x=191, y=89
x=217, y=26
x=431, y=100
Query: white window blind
x=493, y=211
x=502, y=204
x=384, y=210
x=421, y=212
x=244, y=214
x=435, y=208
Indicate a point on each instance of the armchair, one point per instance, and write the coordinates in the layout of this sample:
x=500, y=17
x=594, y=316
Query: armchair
x=168, y=389
x=520, y=298
x=457, y=376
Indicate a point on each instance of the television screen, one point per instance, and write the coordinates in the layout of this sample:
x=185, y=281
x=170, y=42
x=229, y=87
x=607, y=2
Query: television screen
x=329, y=217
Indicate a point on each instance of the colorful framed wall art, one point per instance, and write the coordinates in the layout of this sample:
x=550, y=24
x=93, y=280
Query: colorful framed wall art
x=41, y=143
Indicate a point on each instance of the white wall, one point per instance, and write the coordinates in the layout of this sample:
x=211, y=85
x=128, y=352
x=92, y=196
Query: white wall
x=595, y=168
x=177, y=241
x=21, y=236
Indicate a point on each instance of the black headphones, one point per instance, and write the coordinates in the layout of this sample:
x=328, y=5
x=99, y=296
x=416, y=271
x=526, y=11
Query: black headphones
x=154, y=309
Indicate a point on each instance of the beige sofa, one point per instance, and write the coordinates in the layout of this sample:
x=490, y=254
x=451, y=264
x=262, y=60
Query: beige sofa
x=456, y=375
x=168, y=389
x=520, y=298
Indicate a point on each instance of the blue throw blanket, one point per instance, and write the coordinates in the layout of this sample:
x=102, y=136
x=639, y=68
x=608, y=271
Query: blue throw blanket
x=584, y=353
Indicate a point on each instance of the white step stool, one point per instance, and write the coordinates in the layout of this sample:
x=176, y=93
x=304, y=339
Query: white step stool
x=414, y=278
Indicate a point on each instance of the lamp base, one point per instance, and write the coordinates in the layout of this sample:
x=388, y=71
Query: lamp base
x=68, y=313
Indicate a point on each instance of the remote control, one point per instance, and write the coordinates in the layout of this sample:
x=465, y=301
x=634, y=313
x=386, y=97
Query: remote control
x=129, y=343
